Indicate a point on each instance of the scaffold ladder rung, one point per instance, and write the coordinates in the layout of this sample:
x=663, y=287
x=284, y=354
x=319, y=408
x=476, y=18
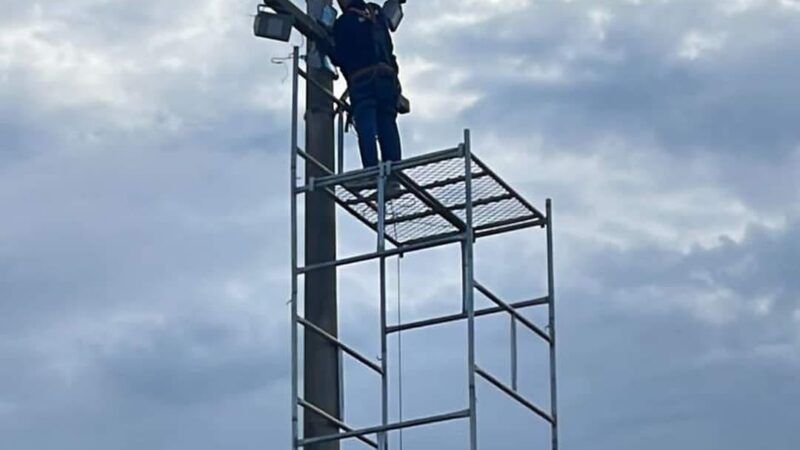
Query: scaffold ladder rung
x=389, y=427
x=462, y=316
x=513, y=394
x=345, y=348
x=307, y=405
x=514, y=313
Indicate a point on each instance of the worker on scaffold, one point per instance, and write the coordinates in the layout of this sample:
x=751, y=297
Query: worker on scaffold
x=365, y=54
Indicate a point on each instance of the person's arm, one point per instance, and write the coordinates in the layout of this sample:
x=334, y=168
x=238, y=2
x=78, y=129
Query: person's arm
x=389, y=43
x=342, y=31
x=332, y=50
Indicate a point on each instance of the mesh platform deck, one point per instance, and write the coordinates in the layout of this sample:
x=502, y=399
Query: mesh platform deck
x=430, y=200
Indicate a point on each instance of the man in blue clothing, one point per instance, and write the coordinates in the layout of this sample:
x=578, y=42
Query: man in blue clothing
x=365, y=54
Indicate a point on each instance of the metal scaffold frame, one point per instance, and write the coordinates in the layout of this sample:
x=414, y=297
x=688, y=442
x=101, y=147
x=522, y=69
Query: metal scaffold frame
x=445, y=197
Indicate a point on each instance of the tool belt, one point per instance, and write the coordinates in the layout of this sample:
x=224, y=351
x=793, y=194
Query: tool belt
x=403, y=104
x=371, y=71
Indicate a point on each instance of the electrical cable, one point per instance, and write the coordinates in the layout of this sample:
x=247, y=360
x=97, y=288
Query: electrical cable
x=281, y=61
x=399, y=340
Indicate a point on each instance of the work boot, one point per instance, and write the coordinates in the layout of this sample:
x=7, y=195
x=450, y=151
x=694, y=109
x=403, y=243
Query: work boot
x=393, y=190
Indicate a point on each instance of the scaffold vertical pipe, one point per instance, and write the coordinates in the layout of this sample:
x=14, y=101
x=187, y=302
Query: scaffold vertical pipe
x=383, y=441
x=339, y=170
x=552, y=325
x=514, y=353
x=469, y=292
x=340, y=143
x=293, y=207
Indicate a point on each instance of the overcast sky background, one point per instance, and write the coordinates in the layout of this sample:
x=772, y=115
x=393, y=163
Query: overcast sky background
x=144, y=229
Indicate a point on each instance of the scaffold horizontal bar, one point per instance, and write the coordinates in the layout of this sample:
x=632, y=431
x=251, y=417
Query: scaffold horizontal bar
x=393, y=426
x=507, y=226
x=429, y=158
x=335, y=421
x=512, y=311
x=344, y=97
x=421, y=160
x=347, y=349
x=498, y=384
x=407, y=248
x=456, y=317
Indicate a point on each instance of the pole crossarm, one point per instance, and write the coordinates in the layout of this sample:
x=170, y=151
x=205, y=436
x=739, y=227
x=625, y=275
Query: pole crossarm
x=335, y=421
x=522, y=400
x=461, y=316
x=392, y=426
x=347, y=349
x=505, y=306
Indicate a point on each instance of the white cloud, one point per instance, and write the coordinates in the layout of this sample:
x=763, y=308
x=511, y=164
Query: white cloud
x=696, y=45
x=436, y=91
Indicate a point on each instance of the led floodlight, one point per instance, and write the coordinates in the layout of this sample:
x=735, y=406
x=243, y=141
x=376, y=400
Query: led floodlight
x=273, y=26
x=393, y=10
x=328, y=16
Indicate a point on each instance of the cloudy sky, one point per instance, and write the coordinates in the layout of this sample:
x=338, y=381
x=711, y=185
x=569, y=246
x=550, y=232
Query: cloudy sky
x=143, y=223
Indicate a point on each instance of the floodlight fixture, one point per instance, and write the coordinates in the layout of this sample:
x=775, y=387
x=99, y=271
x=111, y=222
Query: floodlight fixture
x=393, y=10
x=327, y=16
x=273, y=26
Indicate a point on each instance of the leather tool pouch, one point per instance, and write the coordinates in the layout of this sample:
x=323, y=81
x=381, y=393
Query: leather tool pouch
x=403, y=104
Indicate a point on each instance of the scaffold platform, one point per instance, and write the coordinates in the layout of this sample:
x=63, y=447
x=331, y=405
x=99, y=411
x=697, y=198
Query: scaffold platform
x=431, y=203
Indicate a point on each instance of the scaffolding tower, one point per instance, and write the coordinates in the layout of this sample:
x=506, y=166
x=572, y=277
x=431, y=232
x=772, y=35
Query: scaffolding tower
x=444, y=197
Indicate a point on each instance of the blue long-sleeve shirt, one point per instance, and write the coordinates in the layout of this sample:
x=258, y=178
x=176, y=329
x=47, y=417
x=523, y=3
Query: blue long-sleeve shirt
x=361, y=43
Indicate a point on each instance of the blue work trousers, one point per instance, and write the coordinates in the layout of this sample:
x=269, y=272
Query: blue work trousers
x=375, y=113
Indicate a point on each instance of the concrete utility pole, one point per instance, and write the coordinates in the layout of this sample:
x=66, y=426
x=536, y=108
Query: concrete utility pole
x=321, y=359
x=321, y=368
